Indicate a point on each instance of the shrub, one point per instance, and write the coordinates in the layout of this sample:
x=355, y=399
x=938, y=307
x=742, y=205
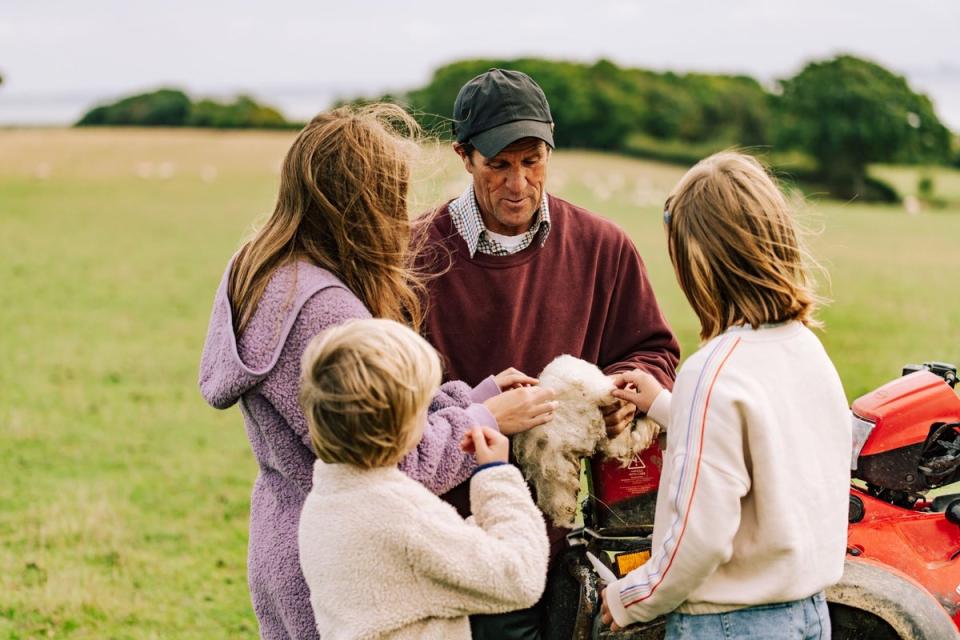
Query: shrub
x=165, y=107
x=172, y=108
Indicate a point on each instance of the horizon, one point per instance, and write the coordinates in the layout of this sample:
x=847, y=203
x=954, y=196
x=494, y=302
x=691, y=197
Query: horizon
x=941, y=83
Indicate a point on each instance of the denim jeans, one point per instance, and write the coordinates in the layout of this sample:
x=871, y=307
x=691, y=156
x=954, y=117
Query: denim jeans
x=806, y=619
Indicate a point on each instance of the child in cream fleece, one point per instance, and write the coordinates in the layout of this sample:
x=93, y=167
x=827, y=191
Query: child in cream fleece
x=383, y=556
x=751, y=516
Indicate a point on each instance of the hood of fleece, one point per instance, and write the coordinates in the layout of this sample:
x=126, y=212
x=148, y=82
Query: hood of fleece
x=224, y=374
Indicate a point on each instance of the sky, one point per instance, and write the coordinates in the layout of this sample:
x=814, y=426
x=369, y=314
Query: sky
x=58, y=58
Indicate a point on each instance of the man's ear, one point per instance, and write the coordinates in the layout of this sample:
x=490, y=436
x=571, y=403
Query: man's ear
x=467, y=160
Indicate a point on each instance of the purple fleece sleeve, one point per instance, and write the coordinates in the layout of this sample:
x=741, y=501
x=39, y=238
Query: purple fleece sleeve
x=485, y=390
x=438, y=463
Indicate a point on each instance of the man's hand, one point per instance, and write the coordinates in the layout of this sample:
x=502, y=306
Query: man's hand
x=619, y=415
x=488, y=444
x=511, y=379
x=637, y=387
x=605, y=614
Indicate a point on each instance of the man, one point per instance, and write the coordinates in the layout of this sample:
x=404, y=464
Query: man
x=523, y=276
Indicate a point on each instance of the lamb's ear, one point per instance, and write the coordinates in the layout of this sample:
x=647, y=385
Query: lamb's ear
x=604, y=399
x=604, y=392
x=602, y=387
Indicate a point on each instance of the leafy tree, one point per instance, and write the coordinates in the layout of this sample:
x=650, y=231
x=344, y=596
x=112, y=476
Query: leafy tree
x=847, y=112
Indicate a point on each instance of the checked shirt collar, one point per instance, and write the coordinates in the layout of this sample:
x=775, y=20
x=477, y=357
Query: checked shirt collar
x=469, y=224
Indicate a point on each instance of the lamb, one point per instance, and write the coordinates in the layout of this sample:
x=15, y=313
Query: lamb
x=549, y=455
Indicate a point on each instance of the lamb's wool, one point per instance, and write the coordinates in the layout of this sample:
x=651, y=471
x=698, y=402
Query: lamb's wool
x=549, y=455
x=632, y=441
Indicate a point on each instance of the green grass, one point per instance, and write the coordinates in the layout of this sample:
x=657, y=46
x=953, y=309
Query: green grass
x=123, y=513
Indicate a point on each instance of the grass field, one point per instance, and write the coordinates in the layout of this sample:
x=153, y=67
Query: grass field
x=123, y=511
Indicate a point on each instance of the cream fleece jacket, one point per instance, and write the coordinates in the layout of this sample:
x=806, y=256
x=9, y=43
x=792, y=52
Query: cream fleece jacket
x=752, y=507
x=385, y=558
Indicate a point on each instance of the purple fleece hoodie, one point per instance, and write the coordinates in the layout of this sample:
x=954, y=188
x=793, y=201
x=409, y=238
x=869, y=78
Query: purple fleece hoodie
x=261, y=371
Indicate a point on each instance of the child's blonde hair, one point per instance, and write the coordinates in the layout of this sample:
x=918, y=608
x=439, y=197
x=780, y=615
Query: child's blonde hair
x=362, y=386
x=735, y=247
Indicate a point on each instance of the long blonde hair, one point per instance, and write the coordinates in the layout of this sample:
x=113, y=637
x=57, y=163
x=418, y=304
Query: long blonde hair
x=735, y=247
x=342, y=206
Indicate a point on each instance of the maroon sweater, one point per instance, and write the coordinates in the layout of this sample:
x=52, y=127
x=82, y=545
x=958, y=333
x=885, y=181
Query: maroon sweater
x=585, y=292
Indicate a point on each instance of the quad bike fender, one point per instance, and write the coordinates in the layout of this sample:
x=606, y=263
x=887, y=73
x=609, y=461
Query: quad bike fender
x=894, y=597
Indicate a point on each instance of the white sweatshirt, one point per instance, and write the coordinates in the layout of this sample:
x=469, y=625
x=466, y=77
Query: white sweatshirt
x=385, y=558
x=752, y=506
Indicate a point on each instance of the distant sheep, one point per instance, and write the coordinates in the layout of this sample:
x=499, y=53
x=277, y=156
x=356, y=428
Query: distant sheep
x=549, y=455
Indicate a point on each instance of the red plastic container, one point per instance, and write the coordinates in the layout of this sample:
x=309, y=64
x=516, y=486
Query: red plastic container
x=627, y=496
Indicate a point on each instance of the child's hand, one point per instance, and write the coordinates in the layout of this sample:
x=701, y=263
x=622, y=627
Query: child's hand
x=511, y=379
x=647, y=388
x=605, y=614
x=523, y=408
x=488, y=444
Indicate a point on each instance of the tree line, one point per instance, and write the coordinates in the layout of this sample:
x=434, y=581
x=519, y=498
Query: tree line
x=836, y=116
x=841, y=114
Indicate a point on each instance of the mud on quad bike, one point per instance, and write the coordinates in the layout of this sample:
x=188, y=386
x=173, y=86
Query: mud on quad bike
x=901, y=580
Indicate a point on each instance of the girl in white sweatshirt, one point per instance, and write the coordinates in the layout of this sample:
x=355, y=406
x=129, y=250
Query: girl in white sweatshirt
x=751, y=516
x=382, y=555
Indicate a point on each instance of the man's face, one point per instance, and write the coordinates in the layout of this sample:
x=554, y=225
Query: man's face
x=509, y=186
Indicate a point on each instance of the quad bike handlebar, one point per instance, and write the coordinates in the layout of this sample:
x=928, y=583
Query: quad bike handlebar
x=943, y=369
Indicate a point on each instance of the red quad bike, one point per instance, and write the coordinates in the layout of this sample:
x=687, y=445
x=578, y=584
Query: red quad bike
x=902, y=575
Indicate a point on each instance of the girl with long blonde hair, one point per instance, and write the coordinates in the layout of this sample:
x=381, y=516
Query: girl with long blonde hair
x=751, y=518
x=336, y=247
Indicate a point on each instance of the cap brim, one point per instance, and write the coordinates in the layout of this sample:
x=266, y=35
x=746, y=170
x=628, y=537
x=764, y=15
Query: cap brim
x=492, y=141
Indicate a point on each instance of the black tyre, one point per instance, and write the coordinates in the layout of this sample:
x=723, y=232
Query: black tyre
x=849, y=623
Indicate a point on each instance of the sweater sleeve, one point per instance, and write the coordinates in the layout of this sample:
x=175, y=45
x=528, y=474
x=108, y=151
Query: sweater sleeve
x=708, y=477
x=659, y=410
x=636, y=334
x=496, y=565
x=438, y=462
x=485, y=390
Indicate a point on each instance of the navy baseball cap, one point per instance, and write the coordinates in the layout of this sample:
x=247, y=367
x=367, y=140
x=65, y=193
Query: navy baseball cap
x=499, y=107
